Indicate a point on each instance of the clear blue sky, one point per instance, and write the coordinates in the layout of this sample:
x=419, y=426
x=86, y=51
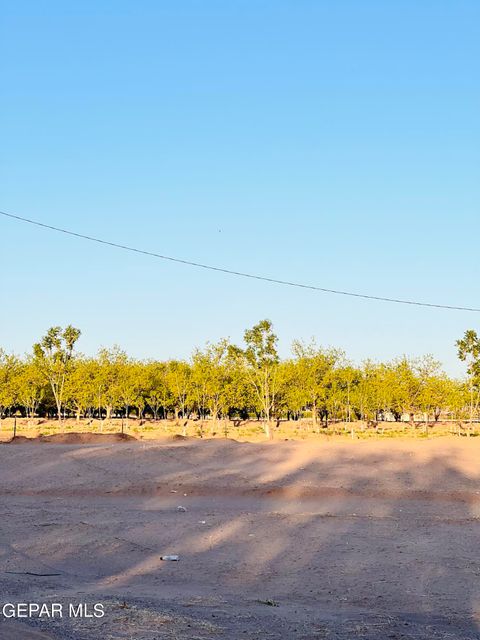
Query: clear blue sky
x=335, y=143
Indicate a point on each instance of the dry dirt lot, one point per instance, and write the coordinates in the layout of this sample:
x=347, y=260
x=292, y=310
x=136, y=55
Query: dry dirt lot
x=288, y=540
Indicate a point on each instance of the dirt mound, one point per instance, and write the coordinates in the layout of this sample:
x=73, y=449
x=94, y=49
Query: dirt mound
x=75, y=438
x=23, y=440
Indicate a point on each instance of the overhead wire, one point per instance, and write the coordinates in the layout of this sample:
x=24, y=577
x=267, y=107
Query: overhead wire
x=233, y=272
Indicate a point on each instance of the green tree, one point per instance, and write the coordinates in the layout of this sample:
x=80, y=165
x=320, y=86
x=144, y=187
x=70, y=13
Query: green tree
x=82, y=387
x=111, y=364
x=158, y=394
x=30, y=386
x=53, y=357
x=469, y=352
x=295, y=400
x=129, y=387
x=9, y=366
x=312, y=366
x=260, y=360
x=437, y=395
x=368, y=392
x=349, y=379
x=179, y=379
x=210, y=377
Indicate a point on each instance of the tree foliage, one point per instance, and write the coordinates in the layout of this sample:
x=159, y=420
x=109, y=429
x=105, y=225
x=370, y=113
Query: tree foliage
x=223, y=380
x=53, y=356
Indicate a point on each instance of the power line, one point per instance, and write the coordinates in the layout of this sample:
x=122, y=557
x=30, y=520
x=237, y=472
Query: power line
x=231, y=271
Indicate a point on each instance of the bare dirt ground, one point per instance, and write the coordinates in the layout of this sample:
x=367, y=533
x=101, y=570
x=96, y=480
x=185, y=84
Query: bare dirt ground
x=295, y=540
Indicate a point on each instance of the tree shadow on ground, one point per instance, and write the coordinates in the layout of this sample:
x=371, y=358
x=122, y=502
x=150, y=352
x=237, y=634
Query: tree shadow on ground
x=349, y=540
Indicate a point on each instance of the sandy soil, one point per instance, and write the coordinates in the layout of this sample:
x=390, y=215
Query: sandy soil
x=335, y=540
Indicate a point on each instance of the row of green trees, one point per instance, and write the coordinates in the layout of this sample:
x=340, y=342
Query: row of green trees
x=225, y=380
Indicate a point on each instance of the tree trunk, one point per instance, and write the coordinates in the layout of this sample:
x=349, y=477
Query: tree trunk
x=471, y=404
x=314, y=415
x=59, y=412
x=267, y=429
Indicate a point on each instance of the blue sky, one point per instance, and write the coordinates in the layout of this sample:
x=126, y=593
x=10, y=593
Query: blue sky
x=333, y=143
